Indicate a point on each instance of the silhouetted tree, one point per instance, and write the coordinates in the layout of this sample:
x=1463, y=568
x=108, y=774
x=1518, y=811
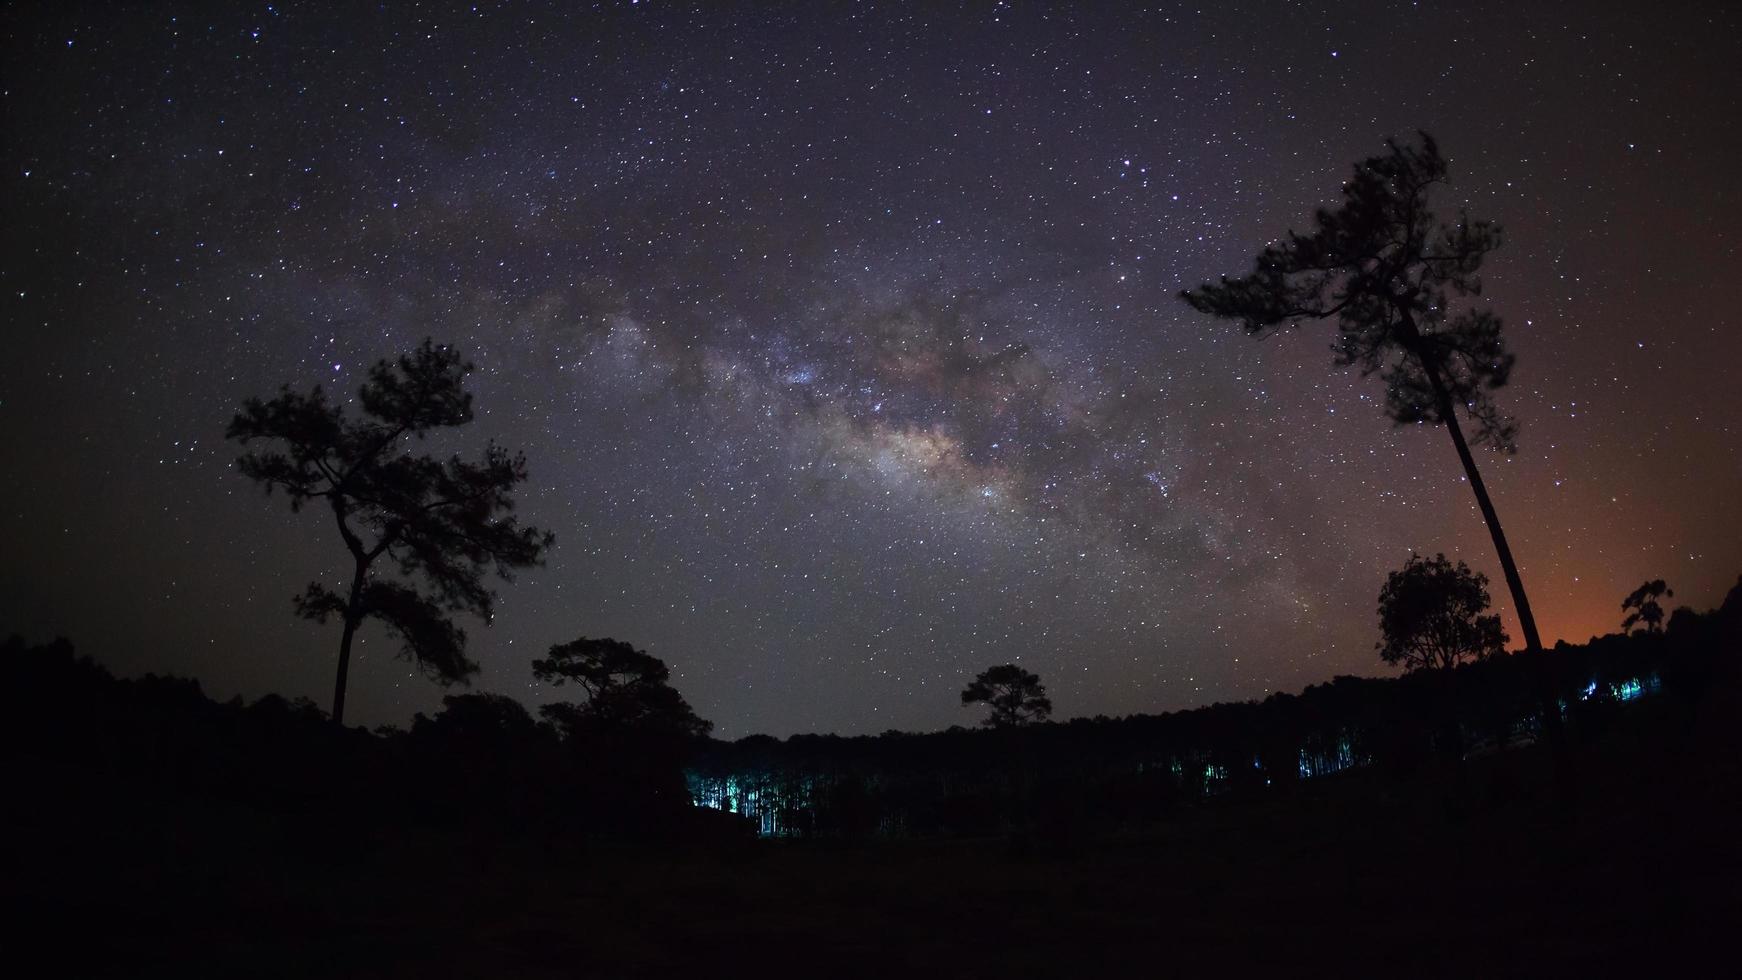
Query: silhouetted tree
x=481, y=718
x=1431, y=616
x=442, y=524
x=1387, y=267
x=1016, y=696
x=1645, y=609
x=629, y=740
x=483, y=758
x=627, y=689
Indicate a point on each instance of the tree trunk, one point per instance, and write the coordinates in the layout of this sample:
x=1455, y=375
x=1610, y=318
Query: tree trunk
x=353, y=619
x=344, y=668
x=1520, y=603
x=1566, y=783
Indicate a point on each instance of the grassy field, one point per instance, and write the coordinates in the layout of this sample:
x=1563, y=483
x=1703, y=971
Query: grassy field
x=1478, y=870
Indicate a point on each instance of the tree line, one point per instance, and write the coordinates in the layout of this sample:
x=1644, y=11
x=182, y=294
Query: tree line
x=607, y=764
x=630, y=759
x=1126, y=773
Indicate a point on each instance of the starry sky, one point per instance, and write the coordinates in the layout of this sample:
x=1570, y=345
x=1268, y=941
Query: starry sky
x=843, y=338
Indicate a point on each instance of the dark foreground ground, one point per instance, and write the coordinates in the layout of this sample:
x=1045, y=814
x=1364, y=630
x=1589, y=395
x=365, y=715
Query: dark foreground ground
x=1481, y=870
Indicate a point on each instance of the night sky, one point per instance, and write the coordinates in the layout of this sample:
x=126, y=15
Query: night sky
x=843, y=339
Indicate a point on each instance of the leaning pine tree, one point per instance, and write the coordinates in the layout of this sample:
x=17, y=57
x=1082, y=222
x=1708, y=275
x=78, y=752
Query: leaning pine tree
x=441, y=524
x=1387, y=268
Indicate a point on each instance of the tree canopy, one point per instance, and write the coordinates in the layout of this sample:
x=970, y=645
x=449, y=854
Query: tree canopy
x=1432, y=614
x=627, y=689
x=1646, y=612
x=1387, y=268
x=1015, y=696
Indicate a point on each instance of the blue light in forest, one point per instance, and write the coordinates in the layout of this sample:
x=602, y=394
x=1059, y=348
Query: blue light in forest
x=1214, y=777
x=779, y=804
x=1317, y=762
x=1637, y=687
x=791, y=803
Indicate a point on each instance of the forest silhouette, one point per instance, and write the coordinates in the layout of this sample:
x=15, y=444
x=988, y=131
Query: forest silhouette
x=480, y=833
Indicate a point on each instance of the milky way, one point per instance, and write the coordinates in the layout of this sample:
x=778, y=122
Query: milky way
x=843, y=340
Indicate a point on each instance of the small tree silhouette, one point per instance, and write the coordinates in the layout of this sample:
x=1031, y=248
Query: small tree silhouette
x=628, y=740
x=443, y=524
x=1430, y=615
x=1645, y=609
x=627, y=690
x=1387, y=267
x=1016, y=696
x=479, y=720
